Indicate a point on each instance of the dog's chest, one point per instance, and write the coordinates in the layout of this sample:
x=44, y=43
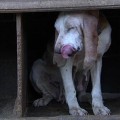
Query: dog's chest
x=79, y=60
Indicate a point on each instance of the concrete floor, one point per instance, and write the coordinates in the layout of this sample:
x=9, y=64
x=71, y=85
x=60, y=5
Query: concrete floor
x=56, y=109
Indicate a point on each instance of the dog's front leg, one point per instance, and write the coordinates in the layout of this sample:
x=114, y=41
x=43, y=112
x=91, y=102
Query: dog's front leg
x=70, y=92
x=97, y=102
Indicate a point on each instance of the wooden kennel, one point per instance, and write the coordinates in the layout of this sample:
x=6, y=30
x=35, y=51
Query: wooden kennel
x=20, y=14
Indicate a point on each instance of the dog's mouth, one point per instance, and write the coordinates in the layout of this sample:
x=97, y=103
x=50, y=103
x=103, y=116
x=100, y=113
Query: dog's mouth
x=67, y=51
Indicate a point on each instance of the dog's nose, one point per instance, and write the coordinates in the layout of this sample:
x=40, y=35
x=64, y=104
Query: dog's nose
x=67, y=51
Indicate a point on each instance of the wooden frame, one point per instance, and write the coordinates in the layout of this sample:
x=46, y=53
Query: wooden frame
x=55, y=5
x=21, y=102
x=17, y=6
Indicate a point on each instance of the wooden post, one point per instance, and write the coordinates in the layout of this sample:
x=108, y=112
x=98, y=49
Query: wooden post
x=20, y=104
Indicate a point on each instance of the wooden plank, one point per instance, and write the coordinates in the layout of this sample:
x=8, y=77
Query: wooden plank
x=68, y=117
x=45, y=5
x=20, y=104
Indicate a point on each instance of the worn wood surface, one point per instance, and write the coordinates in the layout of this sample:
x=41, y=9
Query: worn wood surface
x=20, y=104
x=115, y=117
x=44, y=5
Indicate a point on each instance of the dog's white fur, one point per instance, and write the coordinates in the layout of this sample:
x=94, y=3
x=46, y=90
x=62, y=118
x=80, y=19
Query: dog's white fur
x=80, y=31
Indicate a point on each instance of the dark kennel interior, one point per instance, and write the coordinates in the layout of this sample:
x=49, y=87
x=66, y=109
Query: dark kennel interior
x=39, y=29
x=8, y=69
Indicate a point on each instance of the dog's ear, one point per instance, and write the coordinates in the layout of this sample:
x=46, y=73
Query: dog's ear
x=90, y=24
x=94, y=13
x=58, y=60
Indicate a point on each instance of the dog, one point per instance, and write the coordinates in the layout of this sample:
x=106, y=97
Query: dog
x=81, y=39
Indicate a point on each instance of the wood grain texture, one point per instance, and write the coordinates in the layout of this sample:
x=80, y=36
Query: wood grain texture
x=20, y=104
x=68, y=117
x=55, y=5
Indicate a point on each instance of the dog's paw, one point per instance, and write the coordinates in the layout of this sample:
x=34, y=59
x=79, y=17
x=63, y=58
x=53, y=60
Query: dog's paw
x=101, y=110
x=42, y=101
x=78, y=112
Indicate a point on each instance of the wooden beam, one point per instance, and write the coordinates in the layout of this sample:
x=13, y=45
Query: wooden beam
x=20, y=104
x=55, y=5
x=69, y=117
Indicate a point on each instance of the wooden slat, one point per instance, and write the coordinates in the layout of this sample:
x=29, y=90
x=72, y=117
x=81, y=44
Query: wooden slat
x=43, y=5
x=20, y=104
x=68, y=117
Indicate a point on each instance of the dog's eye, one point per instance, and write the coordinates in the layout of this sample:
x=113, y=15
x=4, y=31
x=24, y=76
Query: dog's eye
x=70, y=28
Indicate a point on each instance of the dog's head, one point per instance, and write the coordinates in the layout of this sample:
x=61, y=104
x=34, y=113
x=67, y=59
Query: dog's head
x=69, y=36
x=76, y=31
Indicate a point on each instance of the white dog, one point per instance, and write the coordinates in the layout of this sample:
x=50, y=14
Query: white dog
x=81, y=39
